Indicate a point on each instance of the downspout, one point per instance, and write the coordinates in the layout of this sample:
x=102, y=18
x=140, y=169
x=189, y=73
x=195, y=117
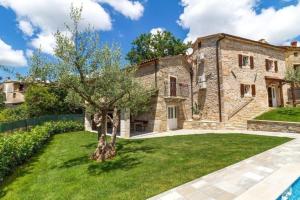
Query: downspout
x=192, y=92
x=218, y=75
x=155, y=74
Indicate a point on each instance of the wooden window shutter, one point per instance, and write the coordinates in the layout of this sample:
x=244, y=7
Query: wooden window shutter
x=253, y=90
x=276, y=66
x=242, y=90
x=267, y=64
x=240, y=60
x=251, y=62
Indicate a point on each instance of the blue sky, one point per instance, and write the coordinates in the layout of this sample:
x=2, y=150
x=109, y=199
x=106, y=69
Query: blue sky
x=121, y=21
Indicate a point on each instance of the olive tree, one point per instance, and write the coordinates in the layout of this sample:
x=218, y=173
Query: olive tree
x=93, y=76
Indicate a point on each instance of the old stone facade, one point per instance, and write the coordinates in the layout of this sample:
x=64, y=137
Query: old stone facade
x=225, y=82
x=171, y=76
x=14, y=92
x=251, y=79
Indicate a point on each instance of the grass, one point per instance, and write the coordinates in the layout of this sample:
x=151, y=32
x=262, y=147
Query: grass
x=282, y=114
x=143, y=168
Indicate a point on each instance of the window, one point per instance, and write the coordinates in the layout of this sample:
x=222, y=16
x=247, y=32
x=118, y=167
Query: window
x=14, y=95
x=271, y=65
x=199, y=45
x=248, y=90
x=246, y=61
x=297, y=67
x=296, y=54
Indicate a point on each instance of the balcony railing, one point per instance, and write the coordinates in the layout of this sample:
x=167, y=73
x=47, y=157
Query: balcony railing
x=176, y=90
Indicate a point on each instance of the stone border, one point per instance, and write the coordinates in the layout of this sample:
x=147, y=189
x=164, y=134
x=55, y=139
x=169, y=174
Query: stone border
x=273, y=186
x=273, y=126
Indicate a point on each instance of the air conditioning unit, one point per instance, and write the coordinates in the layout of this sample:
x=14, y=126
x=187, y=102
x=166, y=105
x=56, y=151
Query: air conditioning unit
x=202, y=81
x=201, y=57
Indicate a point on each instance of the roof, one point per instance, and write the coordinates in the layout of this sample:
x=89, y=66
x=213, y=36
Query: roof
x=145, y=62
x=272, y=78
x=225, y=35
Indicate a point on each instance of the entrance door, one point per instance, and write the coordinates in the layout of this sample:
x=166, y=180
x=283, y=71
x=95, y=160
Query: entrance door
x=172, y=117
x=272, y=94
x=172, y=86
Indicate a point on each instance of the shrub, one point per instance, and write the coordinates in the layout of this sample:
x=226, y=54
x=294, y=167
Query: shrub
x=14, y=113
x=18, y=147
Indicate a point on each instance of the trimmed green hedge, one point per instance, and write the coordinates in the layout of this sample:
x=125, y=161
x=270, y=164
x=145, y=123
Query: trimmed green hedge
x=18, y=147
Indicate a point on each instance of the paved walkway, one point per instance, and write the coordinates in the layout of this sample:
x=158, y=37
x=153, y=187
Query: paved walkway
x=235, y=181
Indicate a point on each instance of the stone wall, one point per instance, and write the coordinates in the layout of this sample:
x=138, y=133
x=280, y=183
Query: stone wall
x=206, y=98
x=292, y=57
x=203, y=125
x=157, y=115
x=273, y=126
x=233, y=75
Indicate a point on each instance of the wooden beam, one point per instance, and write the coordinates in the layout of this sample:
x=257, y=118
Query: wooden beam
x=293, y=94
x=281, y=94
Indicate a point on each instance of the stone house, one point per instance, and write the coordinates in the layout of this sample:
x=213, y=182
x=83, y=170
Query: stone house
x=13, y=91
x=223, y=83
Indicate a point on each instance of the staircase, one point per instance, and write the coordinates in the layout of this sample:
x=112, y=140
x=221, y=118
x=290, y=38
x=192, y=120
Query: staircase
x=246, y=111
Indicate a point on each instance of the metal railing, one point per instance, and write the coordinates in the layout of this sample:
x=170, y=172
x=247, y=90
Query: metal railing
x=28, y=123
x=176, y=89
x=240, y=107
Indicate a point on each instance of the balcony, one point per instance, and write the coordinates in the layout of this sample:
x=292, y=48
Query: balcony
x=176, y=90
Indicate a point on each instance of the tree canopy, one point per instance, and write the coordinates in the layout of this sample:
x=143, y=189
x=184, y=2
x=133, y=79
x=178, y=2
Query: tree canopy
x=94, y=78
x=149, y=46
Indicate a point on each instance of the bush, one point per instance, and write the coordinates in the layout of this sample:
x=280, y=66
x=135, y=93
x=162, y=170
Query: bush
x=16, y=148
x=14, y=113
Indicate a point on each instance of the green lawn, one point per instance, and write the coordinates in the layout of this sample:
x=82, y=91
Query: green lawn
x=143, y=168
x=282, y=114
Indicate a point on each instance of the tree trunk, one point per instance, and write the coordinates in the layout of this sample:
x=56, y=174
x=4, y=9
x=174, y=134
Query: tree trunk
x=115, y=123
x=104, y=150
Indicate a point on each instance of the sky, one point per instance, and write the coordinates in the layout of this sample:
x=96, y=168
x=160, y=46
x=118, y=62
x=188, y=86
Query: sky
x=29, y=25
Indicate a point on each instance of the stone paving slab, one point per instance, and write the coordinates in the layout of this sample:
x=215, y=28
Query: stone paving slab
x=235, y=180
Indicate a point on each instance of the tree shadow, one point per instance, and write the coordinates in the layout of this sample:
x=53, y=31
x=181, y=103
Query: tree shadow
x=126, y=158
x=74, y=162
x=123, y=162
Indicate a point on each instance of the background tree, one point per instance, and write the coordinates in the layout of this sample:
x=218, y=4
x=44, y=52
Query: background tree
x=2, y=99
x=148, y=46
x=292, y=74
x=39, y=101
x=93, y=77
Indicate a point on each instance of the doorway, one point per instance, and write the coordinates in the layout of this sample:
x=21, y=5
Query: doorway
x=172, y=117
x=272, y=96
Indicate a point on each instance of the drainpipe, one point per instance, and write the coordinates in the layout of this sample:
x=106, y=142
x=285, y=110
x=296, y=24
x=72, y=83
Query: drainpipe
x=192, y=92
x=218, y=75
x=155, y=66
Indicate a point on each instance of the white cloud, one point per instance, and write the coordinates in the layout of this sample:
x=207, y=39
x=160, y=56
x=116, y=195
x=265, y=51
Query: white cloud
x=203, y=17
x=29, y=53
x=45, y=42
x=154, y=31
x=47, y=16
x=26, y=27
x=11, y=57
x=131, y=9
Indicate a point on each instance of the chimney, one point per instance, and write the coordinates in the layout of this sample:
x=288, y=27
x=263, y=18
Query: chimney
x=294, y=43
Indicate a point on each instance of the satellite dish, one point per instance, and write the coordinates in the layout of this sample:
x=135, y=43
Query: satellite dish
x=189, y=51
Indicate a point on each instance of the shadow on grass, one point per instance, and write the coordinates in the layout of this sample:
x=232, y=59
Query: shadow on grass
x=126, y=159
x=124, y=162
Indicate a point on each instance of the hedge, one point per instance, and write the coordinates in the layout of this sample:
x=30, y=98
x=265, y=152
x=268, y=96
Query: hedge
x=18, y=147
